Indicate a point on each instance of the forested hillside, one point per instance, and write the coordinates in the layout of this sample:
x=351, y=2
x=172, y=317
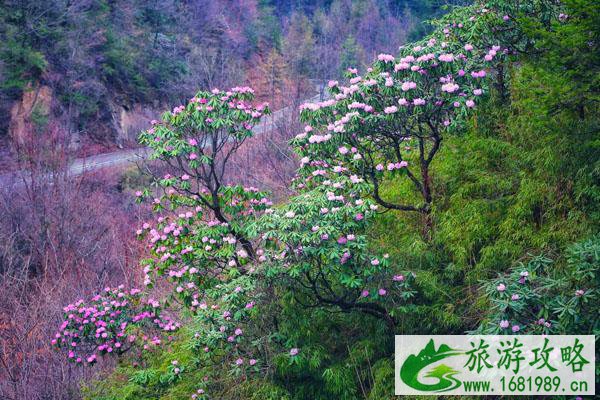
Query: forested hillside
x=449, y=184
x=101, y=69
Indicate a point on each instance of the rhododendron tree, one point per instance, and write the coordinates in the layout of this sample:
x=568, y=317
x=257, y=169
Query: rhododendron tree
x=201, y=234
x=112, y=321
x=202, y=237
x=318, y=244
x=487, y=24
x=391, y=121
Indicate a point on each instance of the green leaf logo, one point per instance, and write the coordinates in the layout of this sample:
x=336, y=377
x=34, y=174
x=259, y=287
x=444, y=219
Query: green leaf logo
x=409, y=372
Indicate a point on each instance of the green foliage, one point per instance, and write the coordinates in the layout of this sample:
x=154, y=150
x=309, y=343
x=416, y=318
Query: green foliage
x=546, y=297
x=510, y=233
x=23, y=66
x=351, y=54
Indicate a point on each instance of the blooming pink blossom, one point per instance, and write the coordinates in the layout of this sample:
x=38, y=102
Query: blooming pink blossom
x=446, y=57
x=406, y=86
x=385, y=57
x=450, y=87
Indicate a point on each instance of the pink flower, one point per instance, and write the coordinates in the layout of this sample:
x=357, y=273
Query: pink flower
x=193, y=156
x=470, y=103
x=343, y=150
x=477, y=92
x=294, y=351
x=390, y=110
x=501, y=287
x=192, y=142
x=364, y=293
x=446, y=57
x=375, y=262
x=515, y=297
x=385, y=57
x=398, y=278
x=468, y=47
x=252, y=361
x=516, y=328
x=406, y=86
x=403, y=102
x=504, y=324
x=185, y=177
x=239, y=361
x=138, y=193
x=382, y=292
x=419, y=102
x=450, y=87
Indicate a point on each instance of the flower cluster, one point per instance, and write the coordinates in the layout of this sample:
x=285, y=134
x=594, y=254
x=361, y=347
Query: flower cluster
x=195, y=132
x=111, y=322
x=397, y=112
x=193, y=248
